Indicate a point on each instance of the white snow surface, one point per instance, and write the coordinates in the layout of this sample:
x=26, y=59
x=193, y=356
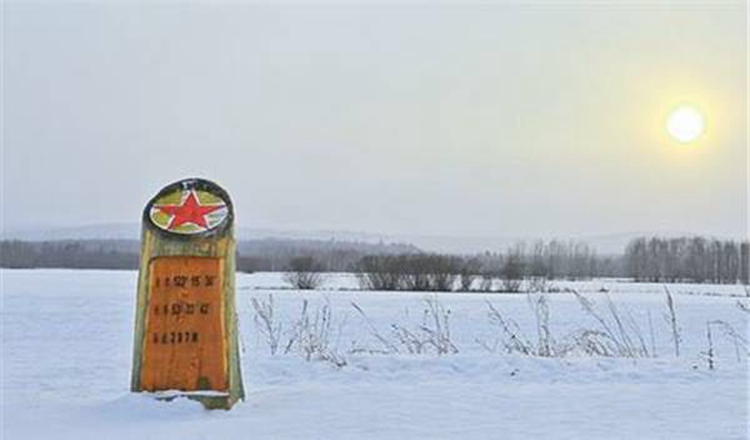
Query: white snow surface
x=67, y=350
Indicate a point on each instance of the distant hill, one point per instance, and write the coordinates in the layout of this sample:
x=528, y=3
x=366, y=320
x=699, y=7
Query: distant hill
x=612, y=244
x=132, y=231
x=253, y=255
x=109, y=231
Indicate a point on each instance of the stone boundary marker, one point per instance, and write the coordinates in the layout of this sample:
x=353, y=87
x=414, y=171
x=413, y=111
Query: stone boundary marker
x=186, y=341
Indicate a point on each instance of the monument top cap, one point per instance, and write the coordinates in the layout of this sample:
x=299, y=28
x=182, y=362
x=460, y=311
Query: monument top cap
x=190, y=207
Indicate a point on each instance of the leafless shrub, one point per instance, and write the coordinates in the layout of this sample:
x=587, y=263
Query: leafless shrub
x=388, y=346
x=488, y=279
x=304, y=273
x=540, y=307
x=512, y=337
x=466, y=281
x=744, y=307
x=628, y=329
x=512, y=274
x=710, y=352
x=651, y=333
x=738, y=340
x=433, y=334
x=594, y=343
x=436, y=325
x=266, y=323
x=416, y=269
x=537, y=285
x=380, y=272
x=413, y=272
x=312, y=335
x=511, y=285
x=411, y=343
x=430, y=272
x=619, y=335
x=672, y=320
x=468, y=274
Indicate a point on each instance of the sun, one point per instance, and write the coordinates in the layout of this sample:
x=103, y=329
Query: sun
x=685, y=124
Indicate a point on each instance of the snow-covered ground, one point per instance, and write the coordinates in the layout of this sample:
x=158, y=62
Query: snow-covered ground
x=67, y=344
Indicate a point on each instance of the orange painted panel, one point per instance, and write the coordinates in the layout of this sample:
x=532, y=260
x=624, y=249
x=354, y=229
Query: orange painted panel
x=184, y=342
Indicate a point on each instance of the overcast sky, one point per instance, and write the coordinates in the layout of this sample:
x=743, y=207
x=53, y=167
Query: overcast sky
x=486, y=120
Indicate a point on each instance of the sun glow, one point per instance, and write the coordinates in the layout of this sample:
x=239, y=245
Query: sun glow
x=685, y=124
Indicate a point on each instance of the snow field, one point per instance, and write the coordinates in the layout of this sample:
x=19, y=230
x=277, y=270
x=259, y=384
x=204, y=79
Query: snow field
x=67, y=347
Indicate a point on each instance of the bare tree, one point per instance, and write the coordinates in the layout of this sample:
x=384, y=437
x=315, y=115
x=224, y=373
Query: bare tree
x=487, y=282
x=512, y=273
x=468, y=274
x=692, y=259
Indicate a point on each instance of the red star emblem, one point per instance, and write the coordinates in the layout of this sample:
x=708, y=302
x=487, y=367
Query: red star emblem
x=190, y=211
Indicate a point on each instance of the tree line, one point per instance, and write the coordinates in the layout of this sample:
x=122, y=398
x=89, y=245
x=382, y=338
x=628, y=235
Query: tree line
x=523, y=266
x=688, y=259
x=72, y=254
x=267, y=255
x=276, y=255
x=404, y=267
